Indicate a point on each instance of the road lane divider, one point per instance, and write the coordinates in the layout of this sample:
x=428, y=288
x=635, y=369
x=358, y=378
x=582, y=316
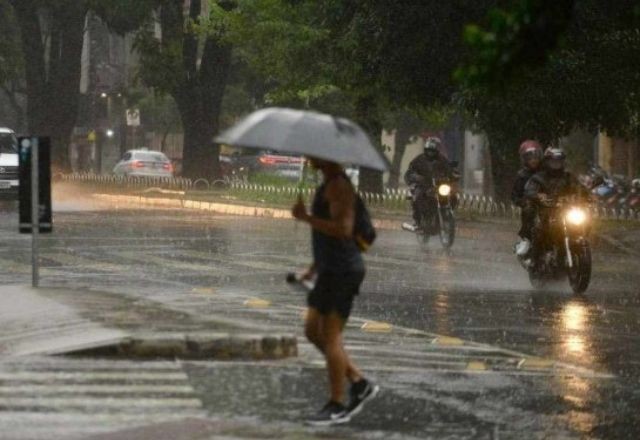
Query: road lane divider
x=476, y=366
x=204, y=290
x=257, y=303
x=447, y=341
x=376, y=327
x=534, y=363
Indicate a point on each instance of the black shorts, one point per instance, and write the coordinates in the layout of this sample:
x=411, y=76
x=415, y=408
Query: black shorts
x=335, y=293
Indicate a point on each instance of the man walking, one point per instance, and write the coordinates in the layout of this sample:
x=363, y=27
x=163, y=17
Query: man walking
x=339, y=270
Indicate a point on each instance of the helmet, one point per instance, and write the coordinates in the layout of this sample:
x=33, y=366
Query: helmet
x=432, y=147
x=530, y=149
x=555, y=158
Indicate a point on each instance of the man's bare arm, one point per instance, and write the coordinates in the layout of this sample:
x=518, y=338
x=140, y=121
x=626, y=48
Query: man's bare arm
x=341, y=199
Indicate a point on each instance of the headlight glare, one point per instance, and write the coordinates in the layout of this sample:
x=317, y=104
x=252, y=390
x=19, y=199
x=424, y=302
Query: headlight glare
x=444, y=190
x=576, y=216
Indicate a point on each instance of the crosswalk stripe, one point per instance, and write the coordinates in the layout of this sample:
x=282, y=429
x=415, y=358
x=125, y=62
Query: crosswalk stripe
x=46, y=363
x=98, y=402
x=94, y=389
x=86, y=376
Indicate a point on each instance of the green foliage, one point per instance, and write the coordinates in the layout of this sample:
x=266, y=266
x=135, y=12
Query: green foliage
x=514, y=40
x=542, y=69
x=161, y=113
x=123, y=16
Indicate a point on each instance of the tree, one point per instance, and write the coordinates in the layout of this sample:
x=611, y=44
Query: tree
x=11, y=64
x=584, y=76
x=51, y=37
x=190, y=61
x=381, y=55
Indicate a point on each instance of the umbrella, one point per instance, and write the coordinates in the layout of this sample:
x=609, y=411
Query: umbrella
x=306, y=133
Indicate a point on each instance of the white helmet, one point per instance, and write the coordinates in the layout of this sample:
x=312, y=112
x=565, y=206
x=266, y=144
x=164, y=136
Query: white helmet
x=432, y=147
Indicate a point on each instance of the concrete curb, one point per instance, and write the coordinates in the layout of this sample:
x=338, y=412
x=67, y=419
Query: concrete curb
x=250, y=211
x=212, y=346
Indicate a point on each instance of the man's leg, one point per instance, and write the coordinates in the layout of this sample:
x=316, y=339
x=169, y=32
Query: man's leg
x=337, y=361
x=314, y=331
x=528, y=218
x=313, y=328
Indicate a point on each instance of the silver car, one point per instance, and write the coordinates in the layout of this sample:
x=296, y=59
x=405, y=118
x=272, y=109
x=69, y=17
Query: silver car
x=8, y=163
x=144, y=163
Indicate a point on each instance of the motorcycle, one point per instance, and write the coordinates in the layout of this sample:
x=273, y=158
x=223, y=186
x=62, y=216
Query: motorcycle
x=565, y=248
x=438, y=218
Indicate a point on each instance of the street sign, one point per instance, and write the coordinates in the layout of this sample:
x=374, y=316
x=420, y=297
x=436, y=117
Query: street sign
x=26, y=146
x=91, y=136
x=133, y=117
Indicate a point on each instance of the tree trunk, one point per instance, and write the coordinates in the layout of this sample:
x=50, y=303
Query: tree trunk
x=12, y=96
x=199, y=94
x=367, y=116
x=402, y=139
x=200, y=154
x=53, y=71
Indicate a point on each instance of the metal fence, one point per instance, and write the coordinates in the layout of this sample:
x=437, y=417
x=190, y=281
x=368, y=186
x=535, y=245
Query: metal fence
x=391, y=199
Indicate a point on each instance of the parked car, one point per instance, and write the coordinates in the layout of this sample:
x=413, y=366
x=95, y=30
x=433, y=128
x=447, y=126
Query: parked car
x=264, y=162
x=8, y=163
x=278, y=164
x=144, y=163
x=256, y=161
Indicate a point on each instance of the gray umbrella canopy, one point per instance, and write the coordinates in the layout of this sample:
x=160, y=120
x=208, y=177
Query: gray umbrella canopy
x=306, y=133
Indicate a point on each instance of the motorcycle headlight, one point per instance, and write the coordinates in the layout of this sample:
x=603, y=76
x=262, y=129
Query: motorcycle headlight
x=576, y=216
x=444, y=190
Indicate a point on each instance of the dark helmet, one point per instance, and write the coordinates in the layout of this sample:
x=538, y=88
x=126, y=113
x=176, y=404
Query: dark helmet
x=530, y=149
x=432, y=147
x=555, y=159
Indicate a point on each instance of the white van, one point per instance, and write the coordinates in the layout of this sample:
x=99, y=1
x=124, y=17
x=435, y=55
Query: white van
x=8, y=163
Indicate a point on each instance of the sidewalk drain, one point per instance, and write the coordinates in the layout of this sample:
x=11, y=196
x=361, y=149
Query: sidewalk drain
x=192, y=347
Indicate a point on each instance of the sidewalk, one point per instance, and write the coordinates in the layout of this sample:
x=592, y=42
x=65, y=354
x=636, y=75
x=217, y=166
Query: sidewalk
x=38, y=322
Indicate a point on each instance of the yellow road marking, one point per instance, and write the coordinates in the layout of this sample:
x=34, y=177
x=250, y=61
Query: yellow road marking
x=377, y=327
x=476, y=366
x=204, y=290
x=533, y=363
x=257, y=303
x=448, y=340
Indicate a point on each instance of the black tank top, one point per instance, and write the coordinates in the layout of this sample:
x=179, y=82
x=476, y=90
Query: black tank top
x=332, y=255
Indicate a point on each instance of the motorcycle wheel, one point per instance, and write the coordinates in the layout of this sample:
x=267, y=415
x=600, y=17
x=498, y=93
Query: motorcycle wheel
x=447, y=229
x=580, y=274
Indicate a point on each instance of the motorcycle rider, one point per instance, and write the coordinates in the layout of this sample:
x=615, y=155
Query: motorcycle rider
x=546, y=186
x=422, y=170
x=531, y=158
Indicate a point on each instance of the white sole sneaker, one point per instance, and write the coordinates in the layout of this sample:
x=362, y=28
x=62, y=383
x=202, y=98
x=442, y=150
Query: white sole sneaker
x=355, y=411
x=346, y=418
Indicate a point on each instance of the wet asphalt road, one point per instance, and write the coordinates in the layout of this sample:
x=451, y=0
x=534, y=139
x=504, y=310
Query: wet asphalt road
x=478, y=292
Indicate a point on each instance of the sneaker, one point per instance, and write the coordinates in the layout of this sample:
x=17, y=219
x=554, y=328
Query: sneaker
x=332, y=413
x=523, y=247
x=361, y=392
